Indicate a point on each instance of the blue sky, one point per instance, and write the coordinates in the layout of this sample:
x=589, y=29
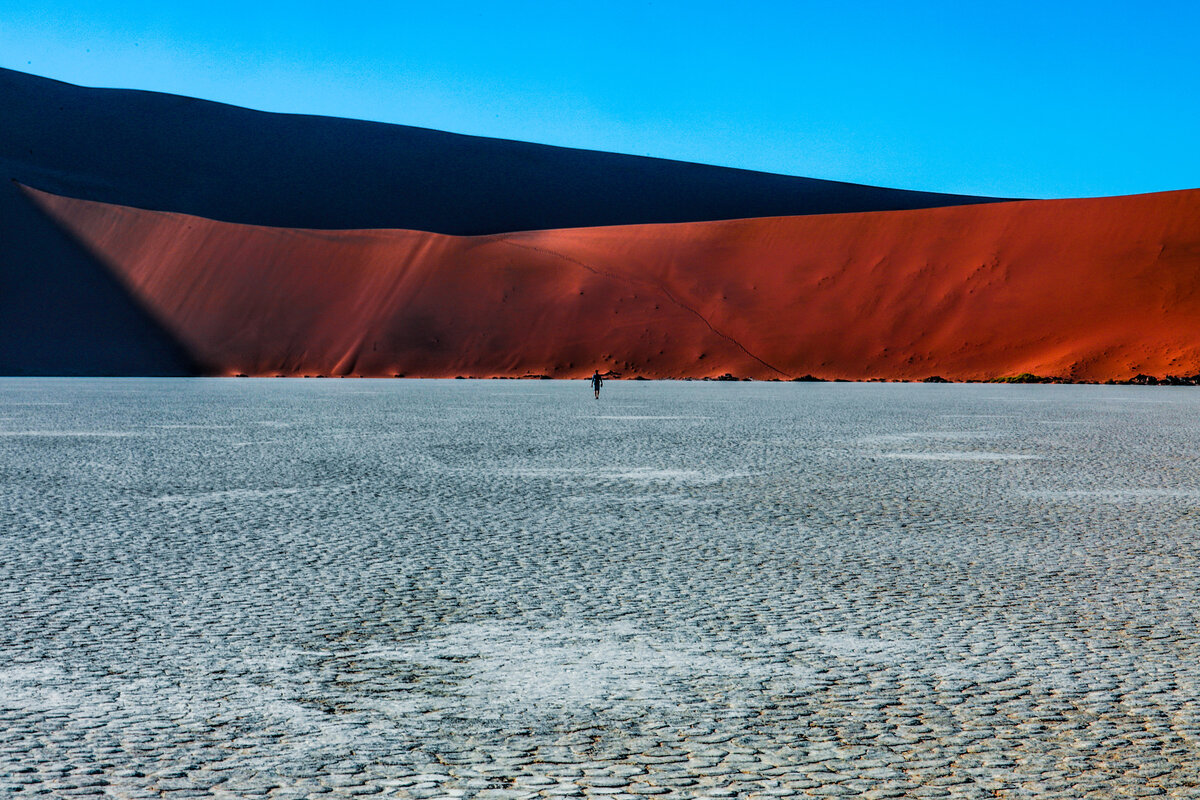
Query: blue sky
x=1032, y=99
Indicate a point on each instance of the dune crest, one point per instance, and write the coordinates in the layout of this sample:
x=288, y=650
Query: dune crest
x=1087, y=289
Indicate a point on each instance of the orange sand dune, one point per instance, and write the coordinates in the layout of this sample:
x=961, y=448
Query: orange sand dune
x=1088, y=289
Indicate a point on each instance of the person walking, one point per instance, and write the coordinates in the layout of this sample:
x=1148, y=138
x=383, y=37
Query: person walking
x=597, y=382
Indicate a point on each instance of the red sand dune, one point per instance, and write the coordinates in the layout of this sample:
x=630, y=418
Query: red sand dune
x=1088, y=289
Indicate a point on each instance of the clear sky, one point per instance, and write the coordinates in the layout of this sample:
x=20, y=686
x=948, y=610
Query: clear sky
x=1032, y=99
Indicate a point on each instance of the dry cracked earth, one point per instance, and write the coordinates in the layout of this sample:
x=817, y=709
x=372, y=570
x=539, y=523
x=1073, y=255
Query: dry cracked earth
x=495, y=589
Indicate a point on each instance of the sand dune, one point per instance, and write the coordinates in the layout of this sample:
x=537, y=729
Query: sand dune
x=62, y=314
x=1089, y=289
x=172, y=153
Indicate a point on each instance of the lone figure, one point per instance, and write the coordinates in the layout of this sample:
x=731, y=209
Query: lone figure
x=597, y=382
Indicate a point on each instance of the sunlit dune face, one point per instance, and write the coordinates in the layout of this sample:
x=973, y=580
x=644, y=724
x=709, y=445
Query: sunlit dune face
x=1085, y=289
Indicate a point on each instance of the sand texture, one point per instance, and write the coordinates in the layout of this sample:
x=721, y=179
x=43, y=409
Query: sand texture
x=1087, y=289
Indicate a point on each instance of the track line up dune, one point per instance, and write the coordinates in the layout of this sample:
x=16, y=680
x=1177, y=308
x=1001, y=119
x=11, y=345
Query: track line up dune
x=663, y=289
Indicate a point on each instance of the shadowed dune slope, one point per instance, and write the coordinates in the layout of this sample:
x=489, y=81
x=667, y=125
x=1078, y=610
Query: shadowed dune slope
x=171, y=153
x=62, y=312
x=1089, y=289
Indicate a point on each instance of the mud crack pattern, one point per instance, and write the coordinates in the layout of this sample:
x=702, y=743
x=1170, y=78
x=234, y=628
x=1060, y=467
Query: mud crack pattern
x=495, y=589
